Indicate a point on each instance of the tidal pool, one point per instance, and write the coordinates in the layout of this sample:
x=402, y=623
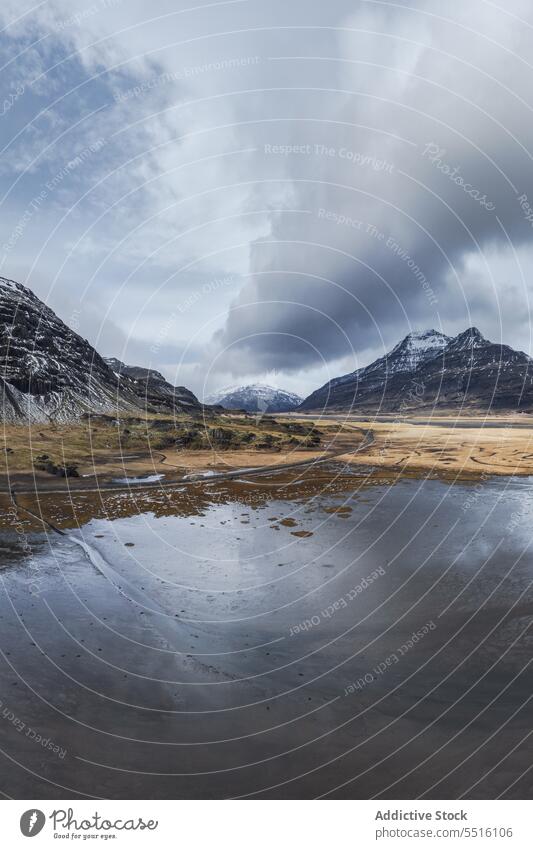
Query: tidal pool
x=343, y=634
x=145, y=479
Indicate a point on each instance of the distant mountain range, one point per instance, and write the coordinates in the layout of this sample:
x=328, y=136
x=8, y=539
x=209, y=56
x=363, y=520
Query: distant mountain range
x=48, y=372
x=255, y=398
x=428, y=370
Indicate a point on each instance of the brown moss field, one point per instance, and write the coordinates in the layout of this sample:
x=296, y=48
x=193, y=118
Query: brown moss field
x=103, y=449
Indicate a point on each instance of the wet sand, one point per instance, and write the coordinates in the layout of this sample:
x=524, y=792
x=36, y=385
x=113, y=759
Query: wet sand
x=346, y=633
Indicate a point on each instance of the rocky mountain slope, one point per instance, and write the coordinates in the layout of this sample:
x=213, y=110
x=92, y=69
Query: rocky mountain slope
x=48, y=372
x=255, y=398
x=157, y=393
x=429, y=370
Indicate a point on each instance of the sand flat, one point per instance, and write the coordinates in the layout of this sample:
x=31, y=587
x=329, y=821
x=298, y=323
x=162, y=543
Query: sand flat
x=467, y=447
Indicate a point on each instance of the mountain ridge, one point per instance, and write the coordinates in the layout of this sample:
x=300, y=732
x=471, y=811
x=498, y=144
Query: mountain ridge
x=50, y=373
x=153, y=387
x=466, y=371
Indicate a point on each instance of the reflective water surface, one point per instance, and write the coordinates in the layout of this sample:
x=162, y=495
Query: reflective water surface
x=335, y=633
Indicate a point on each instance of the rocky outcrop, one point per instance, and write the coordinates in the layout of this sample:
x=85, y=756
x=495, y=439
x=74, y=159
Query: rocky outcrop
x=157, y=393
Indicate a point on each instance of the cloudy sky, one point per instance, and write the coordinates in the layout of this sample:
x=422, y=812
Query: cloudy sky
x=272, y=191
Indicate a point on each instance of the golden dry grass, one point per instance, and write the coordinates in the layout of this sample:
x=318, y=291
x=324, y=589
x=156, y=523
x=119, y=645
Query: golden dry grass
x=102, y=449
x=470, y=449
x=106, y=451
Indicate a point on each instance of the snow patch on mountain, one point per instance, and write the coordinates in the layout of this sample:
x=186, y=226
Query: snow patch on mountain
x=48, y=372
x=255, y=397
x=417, y=347
x=428, y=369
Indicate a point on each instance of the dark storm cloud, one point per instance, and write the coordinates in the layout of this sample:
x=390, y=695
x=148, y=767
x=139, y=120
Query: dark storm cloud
x=426, y=162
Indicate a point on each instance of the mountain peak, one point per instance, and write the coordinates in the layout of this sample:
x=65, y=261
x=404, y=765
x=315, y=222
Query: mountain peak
x=13, y=286
x=470, y=338
x=255, y=397
x=429, y=370
x=417, y=346
x=423, y=334
x=423, y=340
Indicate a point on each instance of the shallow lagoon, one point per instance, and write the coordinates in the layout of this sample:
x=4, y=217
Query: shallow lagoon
x=343, y=634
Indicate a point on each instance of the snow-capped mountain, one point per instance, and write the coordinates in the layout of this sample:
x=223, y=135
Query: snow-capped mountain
x=255, y=398
x=415, y=349
x=48, y=372
x=404, y=358
x=429, y=369
x=407, y=355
